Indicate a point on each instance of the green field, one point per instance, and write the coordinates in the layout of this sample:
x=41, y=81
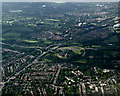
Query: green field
x=47, y=60
x=96, y=46
x=11, y=34
x=30, y=41
x=52, y=20
x=81, y=61
x=60, y=56
x=47, y=42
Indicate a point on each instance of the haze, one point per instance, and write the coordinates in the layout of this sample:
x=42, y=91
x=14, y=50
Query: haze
x=60, y=0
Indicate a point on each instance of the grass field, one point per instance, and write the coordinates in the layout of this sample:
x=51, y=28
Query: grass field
x=60, y=56
x=11, y=34
x=47, y=60
x=30, y=41
x=52, y=20
x=76, y=50
x=81, y=61
x=96, y=46
x=47, y=42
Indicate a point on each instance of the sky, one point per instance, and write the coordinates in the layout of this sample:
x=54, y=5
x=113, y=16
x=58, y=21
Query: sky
x=59, y=0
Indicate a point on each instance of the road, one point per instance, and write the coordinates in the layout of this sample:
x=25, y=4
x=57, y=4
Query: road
x=50, y=48
x=15, y=45
x=57, y=74
x=34, y=61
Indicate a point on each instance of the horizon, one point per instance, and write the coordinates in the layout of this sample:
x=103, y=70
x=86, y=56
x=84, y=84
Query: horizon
x=57, y=1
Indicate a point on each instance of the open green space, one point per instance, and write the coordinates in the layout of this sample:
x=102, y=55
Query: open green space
x=52, y=20
x=11, y=34
x=30, y=41
x=81, y=61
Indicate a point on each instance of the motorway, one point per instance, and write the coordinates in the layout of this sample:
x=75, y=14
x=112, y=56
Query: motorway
x=34, y=61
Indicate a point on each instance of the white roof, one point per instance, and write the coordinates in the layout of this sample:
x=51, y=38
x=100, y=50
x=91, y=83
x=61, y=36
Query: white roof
x=117, y=25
